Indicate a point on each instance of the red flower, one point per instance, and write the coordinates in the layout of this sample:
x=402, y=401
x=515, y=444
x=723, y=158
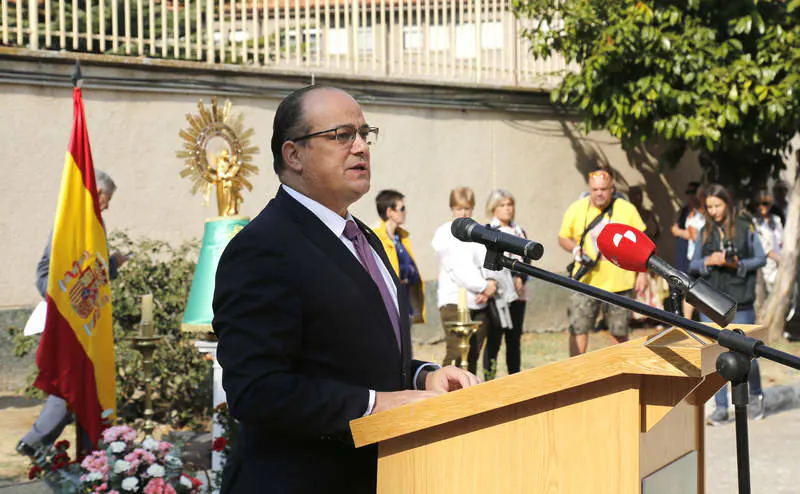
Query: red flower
x=61, y=457
x=219, y=444
x=62, y=445
x=34, y=472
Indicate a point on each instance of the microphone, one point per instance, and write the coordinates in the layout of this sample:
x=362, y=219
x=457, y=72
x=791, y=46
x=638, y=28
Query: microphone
x=632, y=250
x=469, y=230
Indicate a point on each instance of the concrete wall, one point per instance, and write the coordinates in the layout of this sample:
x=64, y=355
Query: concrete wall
x=431, y=140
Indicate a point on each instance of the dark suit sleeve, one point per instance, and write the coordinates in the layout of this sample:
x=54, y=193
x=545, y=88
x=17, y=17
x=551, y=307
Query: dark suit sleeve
x=258, y=314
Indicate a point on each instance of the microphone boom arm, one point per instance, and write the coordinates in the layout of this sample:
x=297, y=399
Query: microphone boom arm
x=733, y=340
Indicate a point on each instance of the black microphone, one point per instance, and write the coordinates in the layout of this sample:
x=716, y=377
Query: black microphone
x=469, y=230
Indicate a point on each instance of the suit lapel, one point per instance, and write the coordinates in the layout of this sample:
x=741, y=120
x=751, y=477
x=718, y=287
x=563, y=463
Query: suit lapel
x=321, y=236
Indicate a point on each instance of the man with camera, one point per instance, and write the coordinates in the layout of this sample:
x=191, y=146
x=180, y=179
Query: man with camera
x=583, y=221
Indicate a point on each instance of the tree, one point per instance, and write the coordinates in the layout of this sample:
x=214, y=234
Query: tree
x=716, y=76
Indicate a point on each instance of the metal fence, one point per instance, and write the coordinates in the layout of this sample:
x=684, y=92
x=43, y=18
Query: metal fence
x=462, y=41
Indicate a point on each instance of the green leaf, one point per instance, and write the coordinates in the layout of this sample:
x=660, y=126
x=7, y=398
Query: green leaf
x=733, y=94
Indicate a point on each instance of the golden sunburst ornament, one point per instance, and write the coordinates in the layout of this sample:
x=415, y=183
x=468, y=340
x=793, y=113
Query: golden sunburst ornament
x=230, y=167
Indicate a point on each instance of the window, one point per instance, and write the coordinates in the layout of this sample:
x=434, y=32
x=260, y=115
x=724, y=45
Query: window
x=337, y=41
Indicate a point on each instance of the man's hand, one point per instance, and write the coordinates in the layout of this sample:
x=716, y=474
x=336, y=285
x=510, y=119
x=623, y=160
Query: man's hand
x=450, y=378
x=386, y=400
x=120, y=258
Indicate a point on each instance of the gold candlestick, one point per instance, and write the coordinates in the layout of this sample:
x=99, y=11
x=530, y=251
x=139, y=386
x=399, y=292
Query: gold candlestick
x=464, y=328
x=145, y=343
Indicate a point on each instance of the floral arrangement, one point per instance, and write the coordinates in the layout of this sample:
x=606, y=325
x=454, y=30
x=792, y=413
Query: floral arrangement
x=122, y=466
x=55, y=467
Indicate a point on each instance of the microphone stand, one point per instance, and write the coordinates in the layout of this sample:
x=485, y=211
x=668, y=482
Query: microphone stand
x=733, y=365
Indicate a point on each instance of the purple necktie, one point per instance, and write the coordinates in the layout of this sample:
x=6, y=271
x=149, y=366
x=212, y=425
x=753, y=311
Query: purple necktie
x=364, y=251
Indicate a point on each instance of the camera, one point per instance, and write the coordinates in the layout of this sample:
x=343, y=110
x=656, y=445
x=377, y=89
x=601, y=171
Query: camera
x=587, y=263
x=730, y=250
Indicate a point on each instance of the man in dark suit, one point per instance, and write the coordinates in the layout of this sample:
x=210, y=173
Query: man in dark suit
x=307, y=313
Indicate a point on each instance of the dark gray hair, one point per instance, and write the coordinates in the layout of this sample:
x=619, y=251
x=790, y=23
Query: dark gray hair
x=289, y=123
x=104, y=182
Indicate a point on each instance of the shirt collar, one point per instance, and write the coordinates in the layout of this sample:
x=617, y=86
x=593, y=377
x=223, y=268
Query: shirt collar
x=332, y=220
x=496, y=223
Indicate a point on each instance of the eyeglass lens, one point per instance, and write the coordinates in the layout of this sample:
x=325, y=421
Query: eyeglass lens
x=347, y=134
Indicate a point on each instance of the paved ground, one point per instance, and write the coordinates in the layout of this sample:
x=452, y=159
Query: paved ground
x=774, y=456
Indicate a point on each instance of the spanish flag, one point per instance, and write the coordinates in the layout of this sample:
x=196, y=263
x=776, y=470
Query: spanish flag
x=76, y=353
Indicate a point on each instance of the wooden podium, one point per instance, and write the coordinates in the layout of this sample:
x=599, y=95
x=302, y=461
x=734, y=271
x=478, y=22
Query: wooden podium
x=625, y=419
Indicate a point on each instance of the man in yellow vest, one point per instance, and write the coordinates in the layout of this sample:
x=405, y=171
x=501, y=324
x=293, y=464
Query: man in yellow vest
x=397, y=244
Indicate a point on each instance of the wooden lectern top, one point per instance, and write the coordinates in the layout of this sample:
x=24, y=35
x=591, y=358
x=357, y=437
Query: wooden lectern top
x=671, y=353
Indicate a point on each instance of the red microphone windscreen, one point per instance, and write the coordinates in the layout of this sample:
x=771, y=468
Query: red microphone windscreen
x=625, y=246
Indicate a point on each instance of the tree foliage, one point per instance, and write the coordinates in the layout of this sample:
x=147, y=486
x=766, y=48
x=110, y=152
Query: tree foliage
x=719, y=76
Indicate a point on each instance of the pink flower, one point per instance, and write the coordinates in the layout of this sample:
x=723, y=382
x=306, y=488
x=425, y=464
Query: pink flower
x=119, y=433
x=158, y=486
x=164, y=447
x=96, y=462
x=139, y=456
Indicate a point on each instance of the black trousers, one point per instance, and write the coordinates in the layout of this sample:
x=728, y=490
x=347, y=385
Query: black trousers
x=494, y=337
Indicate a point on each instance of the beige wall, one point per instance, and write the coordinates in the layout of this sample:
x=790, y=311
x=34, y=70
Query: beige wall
x=424, y=151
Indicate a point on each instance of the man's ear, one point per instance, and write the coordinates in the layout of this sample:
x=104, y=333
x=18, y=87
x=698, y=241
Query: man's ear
x=291, y=156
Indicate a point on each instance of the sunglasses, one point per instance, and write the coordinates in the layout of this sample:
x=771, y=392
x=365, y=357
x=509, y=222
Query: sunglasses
x=599, y=174
x=765, y=203
x=402, y=208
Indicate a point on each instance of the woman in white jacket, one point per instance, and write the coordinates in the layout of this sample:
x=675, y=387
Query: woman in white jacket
x=461, y=267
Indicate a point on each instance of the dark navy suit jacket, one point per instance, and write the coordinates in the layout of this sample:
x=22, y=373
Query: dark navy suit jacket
x=303, y=336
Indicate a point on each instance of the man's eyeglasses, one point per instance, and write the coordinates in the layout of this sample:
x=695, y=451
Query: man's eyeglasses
x=765, y=203
x=401, y=209
x=345, y=135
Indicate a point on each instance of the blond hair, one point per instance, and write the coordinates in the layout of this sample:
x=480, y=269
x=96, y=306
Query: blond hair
x=462, y=196
x=496, y=197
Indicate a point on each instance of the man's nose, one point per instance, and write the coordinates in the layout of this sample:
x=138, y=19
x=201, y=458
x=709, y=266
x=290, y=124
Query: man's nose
x=359, y=144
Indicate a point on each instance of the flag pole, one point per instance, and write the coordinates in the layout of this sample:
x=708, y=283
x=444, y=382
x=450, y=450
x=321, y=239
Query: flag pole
x=81, y=449
x=76, y=74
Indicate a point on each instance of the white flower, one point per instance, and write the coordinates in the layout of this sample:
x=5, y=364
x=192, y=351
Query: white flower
x=150, y=444
x=155, y=470
x=94, y=476
x=121, y=466
x=117, y=447
x=130, y=484
x=185, y=482
x=173, y=462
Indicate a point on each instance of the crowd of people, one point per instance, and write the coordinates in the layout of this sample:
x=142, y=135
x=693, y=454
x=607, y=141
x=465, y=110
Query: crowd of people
x=313, y=308
x=715, y=240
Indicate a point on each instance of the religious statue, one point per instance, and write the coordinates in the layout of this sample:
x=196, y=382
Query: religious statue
x=217, y=155
x=228, y=170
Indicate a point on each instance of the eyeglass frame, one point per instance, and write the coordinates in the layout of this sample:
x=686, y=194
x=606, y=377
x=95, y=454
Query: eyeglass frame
x=336, y=133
